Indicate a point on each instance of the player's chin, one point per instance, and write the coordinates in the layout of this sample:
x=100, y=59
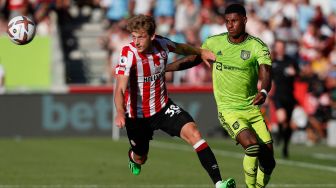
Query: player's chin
x=139, y=49
x=232, y=33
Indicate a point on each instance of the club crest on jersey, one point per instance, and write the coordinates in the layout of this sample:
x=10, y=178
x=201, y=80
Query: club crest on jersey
x=163, y=54
x=245, y=54
x=236, y=125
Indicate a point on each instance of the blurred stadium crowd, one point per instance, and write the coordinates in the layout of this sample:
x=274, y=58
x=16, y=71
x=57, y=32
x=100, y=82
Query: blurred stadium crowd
x=307, y=29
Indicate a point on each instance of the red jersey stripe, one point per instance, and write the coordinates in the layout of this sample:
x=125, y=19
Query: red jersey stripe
x=164, y=56
x=157, y=86
x=146, y=85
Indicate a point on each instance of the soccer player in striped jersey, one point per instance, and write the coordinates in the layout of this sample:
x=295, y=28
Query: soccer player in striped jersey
x=142, y=102
x=241, y=60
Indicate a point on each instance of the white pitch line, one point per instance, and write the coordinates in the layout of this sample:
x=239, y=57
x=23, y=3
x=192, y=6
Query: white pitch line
x=291, y=163
x=301, y=185
x=164, y=186
x=324, y=156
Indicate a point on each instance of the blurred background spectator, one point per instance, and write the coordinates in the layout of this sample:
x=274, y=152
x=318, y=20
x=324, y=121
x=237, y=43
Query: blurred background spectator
x=285, y=71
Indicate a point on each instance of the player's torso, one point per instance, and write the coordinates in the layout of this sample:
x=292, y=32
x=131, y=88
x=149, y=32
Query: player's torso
x=147, y=81
x=235, y=72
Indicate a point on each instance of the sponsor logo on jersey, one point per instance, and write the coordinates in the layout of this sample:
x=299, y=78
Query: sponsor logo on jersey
x=245, y=54
x=220, y=66
x=153, y=77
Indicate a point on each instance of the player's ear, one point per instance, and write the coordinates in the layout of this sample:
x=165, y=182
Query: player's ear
x=245, y=19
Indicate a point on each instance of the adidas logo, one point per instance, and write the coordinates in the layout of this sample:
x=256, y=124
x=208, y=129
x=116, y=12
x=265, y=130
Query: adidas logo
x=219, y=53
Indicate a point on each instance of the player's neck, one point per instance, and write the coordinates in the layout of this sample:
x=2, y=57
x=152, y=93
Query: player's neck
x=238, y=39
x=149, y=50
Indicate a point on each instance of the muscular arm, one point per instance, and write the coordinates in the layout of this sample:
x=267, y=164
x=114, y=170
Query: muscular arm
x=185, y=49
x=266, y=83
x=265, y=77
x=119, y=103
x=184, y=63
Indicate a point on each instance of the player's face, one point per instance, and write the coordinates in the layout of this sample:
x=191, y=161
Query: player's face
x=142, y=40
x=235, y=24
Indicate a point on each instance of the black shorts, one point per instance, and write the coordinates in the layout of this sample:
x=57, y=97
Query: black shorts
x=287, y=103
x=170, y=119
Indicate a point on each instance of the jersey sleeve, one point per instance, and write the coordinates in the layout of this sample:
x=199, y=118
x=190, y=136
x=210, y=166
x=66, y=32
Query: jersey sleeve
x=125, y=62
x=263, y=54
x=167, y=44
x=170, y=45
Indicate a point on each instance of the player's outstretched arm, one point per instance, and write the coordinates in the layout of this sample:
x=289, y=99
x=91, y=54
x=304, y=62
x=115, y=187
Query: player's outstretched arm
x=184, y=63
x=206, y=55
x=266, y=84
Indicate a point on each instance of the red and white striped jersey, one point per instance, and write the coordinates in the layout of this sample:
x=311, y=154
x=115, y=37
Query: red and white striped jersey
x=146, y=93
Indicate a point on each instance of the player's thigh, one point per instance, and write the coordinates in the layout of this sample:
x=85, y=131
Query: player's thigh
x=246, y=138
x=139, y=134
x=172, y=119
x=259, y=126
x=233, y=122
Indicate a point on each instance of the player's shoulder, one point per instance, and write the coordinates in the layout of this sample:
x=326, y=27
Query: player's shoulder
x=128, y=47
x=257, y=41
x=213, y=41
x=161, y=38
x=218, y=36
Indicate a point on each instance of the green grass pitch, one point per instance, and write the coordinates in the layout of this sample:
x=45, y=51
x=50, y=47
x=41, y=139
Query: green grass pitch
x=94, y=162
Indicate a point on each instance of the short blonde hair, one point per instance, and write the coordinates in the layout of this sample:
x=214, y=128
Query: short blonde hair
x=140, y=22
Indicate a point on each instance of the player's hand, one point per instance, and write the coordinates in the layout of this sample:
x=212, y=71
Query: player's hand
x=208, y=57
x=259, y=99
x=120, y=120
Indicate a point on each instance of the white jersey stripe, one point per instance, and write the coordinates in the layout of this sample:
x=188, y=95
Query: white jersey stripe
x=140, y=84
x=163, y=100
x=152, y=85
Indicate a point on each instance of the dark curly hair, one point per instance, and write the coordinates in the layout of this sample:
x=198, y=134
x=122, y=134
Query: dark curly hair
x=235, y=8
